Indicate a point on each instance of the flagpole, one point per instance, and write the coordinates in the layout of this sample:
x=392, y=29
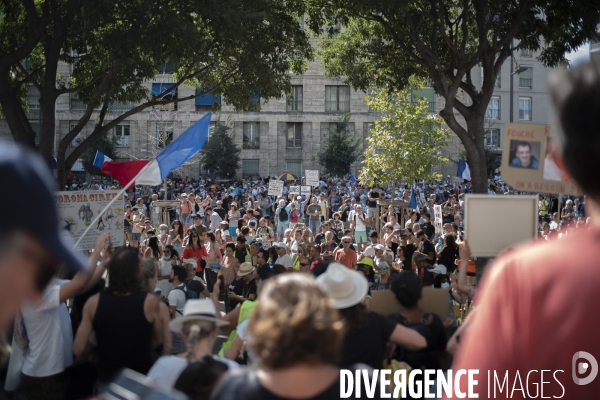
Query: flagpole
x=111, y=203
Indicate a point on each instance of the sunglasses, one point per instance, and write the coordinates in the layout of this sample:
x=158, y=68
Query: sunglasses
x=346, y=242
x=304, y=264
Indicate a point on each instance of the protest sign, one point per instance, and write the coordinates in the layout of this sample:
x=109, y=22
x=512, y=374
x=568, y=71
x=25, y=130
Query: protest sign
x=527, y=164
x=437, y=212
x=294, y=190
x=312, y=177
x=305, y=190
x=275, y=187
x=77, y=210
x=514, y=219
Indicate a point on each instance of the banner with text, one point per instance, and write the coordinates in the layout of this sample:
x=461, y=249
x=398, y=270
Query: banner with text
x=77, y=210
x=305, y=190
x=527, y=164
x=312, y=177
x=437, y=212
x=275, y=187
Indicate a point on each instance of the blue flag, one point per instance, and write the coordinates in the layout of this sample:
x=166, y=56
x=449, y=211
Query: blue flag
x=413, y=199
x=176, y=153
x=352, y=178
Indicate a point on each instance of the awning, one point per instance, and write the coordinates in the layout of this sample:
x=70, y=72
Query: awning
x=158, y=88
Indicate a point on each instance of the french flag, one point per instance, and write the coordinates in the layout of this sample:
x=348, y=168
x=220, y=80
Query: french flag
x=124, y=172
x=463, y=171
x=176, y=153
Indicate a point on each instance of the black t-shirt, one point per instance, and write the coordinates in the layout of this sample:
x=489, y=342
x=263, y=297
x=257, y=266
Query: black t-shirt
x=375, y=195
x=249, y=288
x=242, y=384
x=447, y=257
x=240, y=254
x=427, y=247
x=195, y=285
x=344, y=210
x=430, y=229
x=448, y=219
x=237, y=287
x=265, y=272
x=367, y=345
x=221, y=211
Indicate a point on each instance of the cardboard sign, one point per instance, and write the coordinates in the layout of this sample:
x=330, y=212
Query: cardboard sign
x=437, y=212
x=312, y=177
x=494, y=223
x=294, y=190
x=526, y=162
x=76, y=211
x=275, y=187
x=434, y=301
x=305, y=190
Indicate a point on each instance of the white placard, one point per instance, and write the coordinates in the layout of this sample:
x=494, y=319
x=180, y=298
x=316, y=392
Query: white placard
x=437, y=212
x=305, y=190
x=494, y=223
x=77, y=209
x=312, y=177
x=294, y=190
x=275, y=187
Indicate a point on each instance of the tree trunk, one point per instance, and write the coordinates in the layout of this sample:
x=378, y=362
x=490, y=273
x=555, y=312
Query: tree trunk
x=476, y=155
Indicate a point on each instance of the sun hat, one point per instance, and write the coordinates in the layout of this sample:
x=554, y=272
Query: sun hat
x=366, y=261
x=197, y=310
x=245, y=269
x=438, y=269
x=369, y=252
x=280, y=245
x=345, y=286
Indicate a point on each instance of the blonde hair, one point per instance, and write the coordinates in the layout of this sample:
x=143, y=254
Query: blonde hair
x=295, y=322
x=196, y=331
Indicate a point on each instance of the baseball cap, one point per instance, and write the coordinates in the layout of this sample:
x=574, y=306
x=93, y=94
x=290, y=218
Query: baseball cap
x=280, y=245
x=29, y=185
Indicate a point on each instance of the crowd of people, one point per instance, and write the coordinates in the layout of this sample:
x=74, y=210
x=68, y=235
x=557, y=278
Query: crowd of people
x=290, y=279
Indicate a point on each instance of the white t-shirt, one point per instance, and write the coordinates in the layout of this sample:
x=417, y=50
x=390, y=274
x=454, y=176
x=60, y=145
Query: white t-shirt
x=242, y=332
x=164, y=284
x=167, y=369
x=177, y=298
x=50, y=335
x=358, y=225
x=285, y=260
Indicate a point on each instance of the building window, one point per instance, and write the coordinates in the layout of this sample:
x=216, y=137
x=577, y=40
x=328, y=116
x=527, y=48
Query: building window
x=294, y=135
x=33, y=97
x=251, y=135
x=80, y=136
x=294, y=100
x=211, y=129
x=250, y=167
x=207, y=101
x=122, y=135
x=166, y=68
x=164, y=134
x=76, y=103
x=425, y=93
x=337, y=98
x=498, y=78
x=36, y=126
x=492, y=138
x=294, y=166
x=525, y=108
x=526, y=78
x=526, y=53
x=493, y=108
x=157, y=89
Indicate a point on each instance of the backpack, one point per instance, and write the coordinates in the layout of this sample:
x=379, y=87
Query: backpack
x=283, y=215
x=189, y=293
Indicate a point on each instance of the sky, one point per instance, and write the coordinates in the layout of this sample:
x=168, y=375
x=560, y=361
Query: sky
x=581, y=54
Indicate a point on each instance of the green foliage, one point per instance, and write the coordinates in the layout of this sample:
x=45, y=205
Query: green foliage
x=107, y=146
x=339, y=150
x=405, y=142
x=220, y=156
x=385, y=43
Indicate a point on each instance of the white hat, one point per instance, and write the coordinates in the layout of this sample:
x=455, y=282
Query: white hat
x=245, y=268
x=438, y=269
x=183, y=194
x=369, y=252
x=379, y=246
x=281, y=245
x=346, y=286
x=194, y=310
x=298, y=197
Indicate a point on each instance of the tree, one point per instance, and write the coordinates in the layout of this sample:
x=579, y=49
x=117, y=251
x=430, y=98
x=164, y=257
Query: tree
x=242, y=49
x=405, y=142
x=106, y=145
x=385, y=43
x=220, y=156
x=340, y=150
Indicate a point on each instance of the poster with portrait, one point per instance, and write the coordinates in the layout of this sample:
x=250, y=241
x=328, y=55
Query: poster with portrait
x=527, y=163
x=78, y=209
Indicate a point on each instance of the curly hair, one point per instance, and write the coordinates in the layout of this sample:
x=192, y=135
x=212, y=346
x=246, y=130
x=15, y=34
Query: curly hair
x=295, y=322
x=149, y=271
x=124, y=271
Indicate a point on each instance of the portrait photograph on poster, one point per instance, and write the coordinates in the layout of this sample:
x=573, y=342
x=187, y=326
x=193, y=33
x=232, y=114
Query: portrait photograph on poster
x=525, y=154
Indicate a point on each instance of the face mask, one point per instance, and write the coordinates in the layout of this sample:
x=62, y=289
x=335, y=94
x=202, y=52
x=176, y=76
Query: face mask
x=445, y=285
x=162, y=231
x=167, y=258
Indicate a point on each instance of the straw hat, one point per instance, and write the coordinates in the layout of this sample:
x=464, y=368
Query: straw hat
x=245, y=269
x=197, y=310
x=345, y=286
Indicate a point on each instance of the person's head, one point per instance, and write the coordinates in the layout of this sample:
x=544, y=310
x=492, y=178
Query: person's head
x=450, y=240
x=383, y=267
x=262, y=256
x=305, y=235
x=124, y=271
x=421, y=236
x=240, y=242
x=194, y=240
x=153, y=244
x=211, y=237
x=336, y=216
x=208, y=210
x=200, y=378
x=427, y=217
x=295, y=323
x=280, y=249
x=287, y=233
x=298, y=235
x=304, y=263
x=233, y=207
x=149, y=274
x=329, y=237
x=178, y=274
x=229, y=249
x=407, y=289
x=314, y=251
x=246, y=271
x=545, y=228
x=358, y=208
x=177, y=228
x=523, y=153
x=346, y=242
x=169, y=252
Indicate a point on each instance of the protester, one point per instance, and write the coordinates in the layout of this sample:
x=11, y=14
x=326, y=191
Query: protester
x=150, y=275
x=195, y=250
